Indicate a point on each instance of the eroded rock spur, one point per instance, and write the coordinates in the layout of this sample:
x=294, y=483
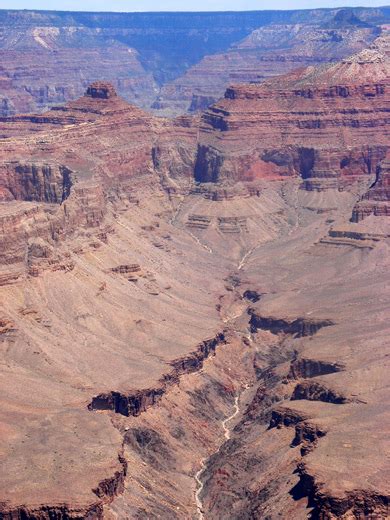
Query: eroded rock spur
x=194, y=309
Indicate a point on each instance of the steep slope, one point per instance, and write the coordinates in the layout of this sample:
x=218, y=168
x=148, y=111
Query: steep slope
x=268, y=51
x=50, y=57
x=327, y=125
x=180, y=349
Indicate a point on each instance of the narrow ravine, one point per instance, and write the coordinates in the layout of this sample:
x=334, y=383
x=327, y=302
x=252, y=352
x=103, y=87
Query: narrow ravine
x=236, y=408
x=226, y=429
x=245, y=258
x=203, y=462
x=200, y=485
x=208, y=249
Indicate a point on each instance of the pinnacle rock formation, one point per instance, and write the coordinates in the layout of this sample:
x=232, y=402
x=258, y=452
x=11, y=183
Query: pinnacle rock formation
x=100, y=90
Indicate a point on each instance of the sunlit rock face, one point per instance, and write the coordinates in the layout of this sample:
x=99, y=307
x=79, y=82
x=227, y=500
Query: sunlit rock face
x=326, y=125
x=194, y=311
x=49, y=59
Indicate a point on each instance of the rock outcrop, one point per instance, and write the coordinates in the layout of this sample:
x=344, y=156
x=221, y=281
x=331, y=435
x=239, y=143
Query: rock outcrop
x=325, y=125
x=266, y=52
x=376, y=201
x=299, y=327
x=139, y=401
x=90, y=147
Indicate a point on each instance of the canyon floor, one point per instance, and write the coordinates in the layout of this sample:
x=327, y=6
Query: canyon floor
x=184, y=323
x=194, y=312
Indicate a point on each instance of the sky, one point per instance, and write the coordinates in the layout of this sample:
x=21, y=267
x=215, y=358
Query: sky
x=180, y=5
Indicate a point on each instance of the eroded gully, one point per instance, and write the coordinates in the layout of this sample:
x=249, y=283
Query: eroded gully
x=226, y=429
x=227, y=434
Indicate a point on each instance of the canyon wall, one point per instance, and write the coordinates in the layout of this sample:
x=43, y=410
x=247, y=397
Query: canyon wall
x=314, y=123
x=49, y=58
x=194, y=311
x=268, y=51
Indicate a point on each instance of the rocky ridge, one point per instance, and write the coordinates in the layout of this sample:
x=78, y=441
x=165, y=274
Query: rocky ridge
x=342, y=124
x=107, y=313
x=50, y=57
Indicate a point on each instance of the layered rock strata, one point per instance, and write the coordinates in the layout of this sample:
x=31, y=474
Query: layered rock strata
x=116, y=271
x=317, y=124
x=77, y=155
x=268, y=51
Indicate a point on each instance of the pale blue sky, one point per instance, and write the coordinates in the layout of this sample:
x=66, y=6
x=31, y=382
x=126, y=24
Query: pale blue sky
x=180, y=5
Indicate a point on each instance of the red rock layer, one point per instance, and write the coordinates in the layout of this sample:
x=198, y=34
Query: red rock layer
x=376, y=201
x=316, y=123
x=268, y=51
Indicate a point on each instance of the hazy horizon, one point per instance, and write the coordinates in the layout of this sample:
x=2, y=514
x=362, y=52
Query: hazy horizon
x=177, y=5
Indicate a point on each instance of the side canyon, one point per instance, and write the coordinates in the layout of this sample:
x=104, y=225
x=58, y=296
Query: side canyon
x=194, y=314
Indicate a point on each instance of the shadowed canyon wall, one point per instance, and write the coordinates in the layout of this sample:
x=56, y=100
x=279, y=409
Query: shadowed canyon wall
x=49, y=58
x=194, y=311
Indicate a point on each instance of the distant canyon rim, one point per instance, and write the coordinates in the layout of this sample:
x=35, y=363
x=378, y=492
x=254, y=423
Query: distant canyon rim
x=194, y=265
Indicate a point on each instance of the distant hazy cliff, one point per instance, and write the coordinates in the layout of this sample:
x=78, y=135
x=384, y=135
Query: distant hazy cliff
x=49, y=57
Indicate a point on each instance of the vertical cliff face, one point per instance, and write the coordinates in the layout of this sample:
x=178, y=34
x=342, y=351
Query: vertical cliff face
x=376, y=200
x=50, y=58
x=49, y=183
x=208, y=164
x=266, y=52
x=317, y=124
